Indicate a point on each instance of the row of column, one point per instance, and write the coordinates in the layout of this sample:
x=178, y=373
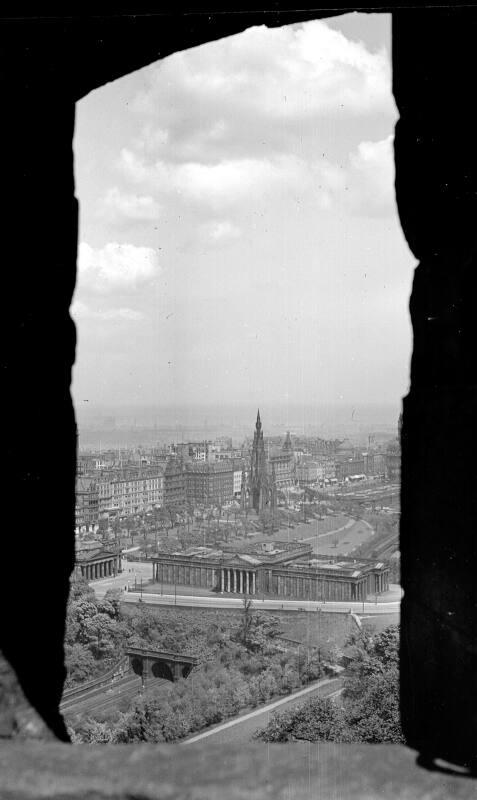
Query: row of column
x=238, y=581
x=102, y=569
x=184, y=575
x=381, y=583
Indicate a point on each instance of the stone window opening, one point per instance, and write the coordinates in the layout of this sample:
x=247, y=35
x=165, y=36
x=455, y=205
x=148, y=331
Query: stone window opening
x=44, y=72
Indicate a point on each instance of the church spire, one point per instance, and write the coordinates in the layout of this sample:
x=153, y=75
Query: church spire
x=287, y=445
x=258, y=423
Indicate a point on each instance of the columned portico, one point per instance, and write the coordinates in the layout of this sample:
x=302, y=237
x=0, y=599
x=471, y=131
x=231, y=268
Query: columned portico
x=96, y=565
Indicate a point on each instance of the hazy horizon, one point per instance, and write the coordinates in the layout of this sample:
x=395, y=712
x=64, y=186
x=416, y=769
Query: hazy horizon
x=135, y=425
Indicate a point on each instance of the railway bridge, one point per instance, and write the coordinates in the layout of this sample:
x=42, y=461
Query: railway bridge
x=159, y=664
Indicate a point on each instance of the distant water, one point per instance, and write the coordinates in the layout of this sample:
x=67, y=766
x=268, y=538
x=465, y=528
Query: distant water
x=132, y=426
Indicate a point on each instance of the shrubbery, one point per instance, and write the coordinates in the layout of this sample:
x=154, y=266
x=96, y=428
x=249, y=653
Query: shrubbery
x=240, y=665
x=368, y=710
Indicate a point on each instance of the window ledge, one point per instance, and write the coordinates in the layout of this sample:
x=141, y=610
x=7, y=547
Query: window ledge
x=202, y=772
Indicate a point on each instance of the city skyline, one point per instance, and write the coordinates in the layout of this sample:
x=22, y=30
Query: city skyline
x=239, y=241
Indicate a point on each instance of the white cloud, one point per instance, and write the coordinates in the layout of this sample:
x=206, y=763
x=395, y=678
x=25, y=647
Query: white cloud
x=219, y=231
x=119, y=206
x=240, y=118
x=115, y=266
x=128, y=314
x=295, y=71
x=221, y=184
x=80, y=311
x=372, y=177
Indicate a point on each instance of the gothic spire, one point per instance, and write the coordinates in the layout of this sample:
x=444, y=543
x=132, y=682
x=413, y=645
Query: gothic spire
x=287, y=445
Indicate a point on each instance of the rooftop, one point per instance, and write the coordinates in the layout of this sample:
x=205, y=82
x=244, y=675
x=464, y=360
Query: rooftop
x=351, y=567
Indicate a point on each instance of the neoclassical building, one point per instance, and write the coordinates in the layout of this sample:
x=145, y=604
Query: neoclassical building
x=287, y=570
x=96, y=562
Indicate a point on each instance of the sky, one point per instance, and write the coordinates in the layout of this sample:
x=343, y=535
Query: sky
x=239, y=239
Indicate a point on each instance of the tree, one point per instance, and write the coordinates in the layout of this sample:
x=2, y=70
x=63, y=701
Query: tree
x=79, y=589
x=80, y=664
x=244, y=630
x=374, y=716
x=92, y=732
x=172, y=516
x=103, y=525
x=317, y=720
x=370, y=708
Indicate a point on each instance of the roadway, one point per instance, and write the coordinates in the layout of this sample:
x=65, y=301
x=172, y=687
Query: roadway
x=202, y=601
x=240, y=730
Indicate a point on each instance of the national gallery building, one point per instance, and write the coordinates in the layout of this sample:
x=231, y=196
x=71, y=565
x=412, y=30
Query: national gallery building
x=280, y=569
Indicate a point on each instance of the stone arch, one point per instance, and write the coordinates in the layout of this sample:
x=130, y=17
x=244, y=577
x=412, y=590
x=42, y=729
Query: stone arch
x=161, y=669
x=186, y=670
x=137, y=665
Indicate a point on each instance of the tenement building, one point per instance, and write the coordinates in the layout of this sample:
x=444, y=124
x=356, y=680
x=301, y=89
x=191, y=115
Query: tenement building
x=211, y=484
x=131, y=491
x=174, y=483
x=287, y=570
x=87, y=503
x=281, y=463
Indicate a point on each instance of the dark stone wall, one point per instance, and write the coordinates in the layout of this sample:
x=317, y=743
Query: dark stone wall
x=37, y=349
x=436, y=187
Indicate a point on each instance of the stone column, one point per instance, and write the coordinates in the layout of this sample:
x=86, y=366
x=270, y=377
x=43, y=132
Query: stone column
x=234, y=578
x=241, y=582
x=253, y=582
x=222, y=581
x=246, y=583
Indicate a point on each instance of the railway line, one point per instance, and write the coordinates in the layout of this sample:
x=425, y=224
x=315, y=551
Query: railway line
x=383, y=548
x=109, y=696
